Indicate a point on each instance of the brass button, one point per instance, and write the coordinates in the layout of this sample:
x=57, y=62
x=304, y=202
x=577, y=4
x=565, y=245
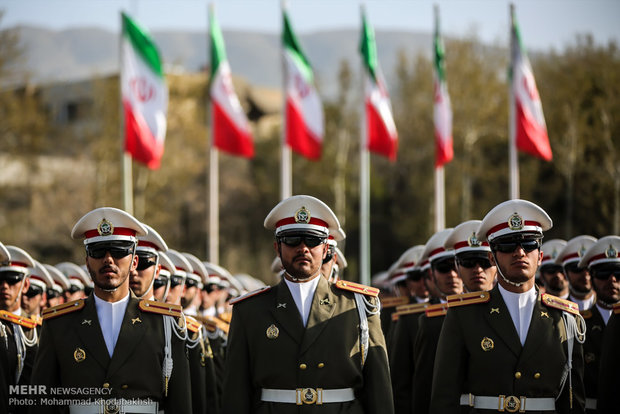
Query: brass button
x=124, y=386
x=537, y=375
x=302, y=366
x=106, y=385
x=517, y=375
x=321, y=365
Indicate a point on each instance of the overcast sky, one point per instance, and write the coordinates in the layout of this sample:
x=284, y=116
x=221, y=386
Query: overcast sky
x=544, y=23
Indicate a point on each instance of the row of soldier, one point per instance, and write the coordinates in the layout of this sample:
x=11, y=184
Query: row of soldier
x=150, y=337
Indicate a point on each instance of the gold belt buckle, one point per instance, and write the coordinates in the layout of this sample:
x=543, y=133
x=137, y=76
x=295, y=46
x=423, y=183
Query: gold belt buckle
x=111, y=407
x=511, y=404
x=309, y=396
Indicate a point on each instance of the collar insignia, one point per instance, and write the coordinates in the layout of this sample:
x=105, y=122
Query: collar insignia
x=136, y=320
x=105, y=228
x=86, y=322
x=544, y=314
x=494, y=310
x=325, y=301
x=515, y=222
x=281, y=305
x=302, y=215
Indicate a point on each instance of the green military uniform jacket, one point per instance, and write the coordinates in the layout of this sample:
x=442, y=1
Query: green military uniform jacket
x=595, y=327
x=324, y=354
x=479, y=352
x=609, y=371
x=72, y=353
x=424, y=349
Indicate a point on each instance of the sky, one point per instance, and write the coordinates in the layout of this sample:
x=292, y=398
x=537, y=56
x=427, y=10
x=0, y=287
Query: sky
x=544, y=23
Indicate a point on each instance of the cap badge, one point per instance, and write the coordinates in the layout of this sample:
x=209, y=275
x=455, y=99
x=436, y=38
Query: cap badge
x=302, y=215
x=487, y=344
x=273, y=332
x=515, y=222
x=582, y=251
x=79, y=355
x=554, y=253
x=473, y=241
x=105, y=228
x=611, y=252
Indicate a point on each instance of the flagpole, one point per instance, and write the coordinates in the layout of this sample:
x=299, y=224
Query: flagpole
x=214, y=201
x=126, y=164
x=286, y=175
x=512, y=144
x=364, y=188
x=440, y=202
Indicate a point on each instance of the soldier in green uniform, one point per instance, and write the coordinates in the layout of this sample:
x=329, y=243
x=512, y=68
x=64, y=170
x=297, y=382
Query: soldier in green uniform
x=304, y=345
x=609, y=380
x=603, y=261
x=510, y=349
x=132, y=351
x=579, y=278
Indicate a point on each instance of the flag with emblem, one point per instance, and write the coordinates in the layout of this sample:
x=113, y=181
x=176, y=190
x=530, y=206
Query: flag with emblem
x=230, y=127
x=304, y=110
x=442, y=111
x=380, y=128
x=144, y=95
x=530, y=130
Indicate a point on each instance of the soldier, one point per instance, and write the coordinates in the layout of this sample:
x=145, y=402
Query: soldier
x=112, y=341
x=193, y=285
x=161, y=285
x=603, y=261
x=34, y=299
x=305, y=341
x=551, y=273
x=78, y=280
x=340, y=263
x=510, y=349
x=59, y=284
x=579, y=279
x=142, y=278
x=609, y=381
x=329, y=263
x=471, y=257
x=182, y=268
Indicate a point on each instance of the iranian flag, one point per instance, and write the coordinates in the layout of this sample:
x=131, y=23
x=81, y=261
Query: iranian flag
x=380, y=127
x=144, y=93
x=530, y=128
x=231, y=130
x=442, y=111
x=304, y=111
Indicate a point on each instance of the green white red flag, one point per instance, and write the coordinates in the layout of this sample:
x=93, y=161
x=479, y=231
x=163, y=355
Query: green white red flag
x=382, y=137
x=144, y=94
x=304, y=110
x=230, y=127
x=442, y=111
x=530, y=127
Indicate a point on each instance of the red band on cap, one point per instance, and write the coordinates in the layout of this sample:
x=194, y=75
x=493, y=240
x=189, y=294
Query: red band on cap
x=37, y=278
x=505, y=225
x=143, y=243
x=118, y=231
x=600, y=256
x=436, y=251
x=291, y=220
x=19, y=264
x=570, y=256
x=408, y=264
x=466, y=244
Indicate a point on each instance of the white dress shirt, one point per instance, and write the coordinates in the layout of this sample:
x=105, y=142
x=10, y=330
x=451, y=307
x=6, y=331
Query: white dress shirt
x=520, y=306
x=303, y=293
x=111, y=316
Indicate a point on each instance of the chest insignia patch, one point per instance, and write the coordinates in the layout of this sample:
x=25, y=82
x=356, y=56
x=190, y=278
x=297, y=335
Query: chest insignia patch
x=79, y=355
x=273, y=332
x=487, y=344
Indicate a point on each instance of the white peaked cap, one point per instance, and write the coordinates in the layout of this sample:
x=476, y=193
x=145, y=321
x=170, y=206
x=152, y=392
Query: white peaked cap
x=301, y=214
x=575, y=249
x=513, y=217
x=107, y=224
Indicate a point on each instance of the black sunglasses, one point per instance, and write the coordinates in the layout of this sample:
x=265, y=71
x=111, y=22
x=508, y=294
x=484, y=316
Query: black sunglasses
x=471, y=262
x=414, y=275
x=176, y=280
x=73, y=289
x=51, y=294
x=573, y=267
x=309, y=241
x=145, y=261
x=210, y=287
x=117, y=251
x=11, y=277
x=603, y=273
x=160, y=282
x=33, y=291
x=509, y=247
x=552, y=269
x=444, y=266
x=189, y=282
x=330, y=254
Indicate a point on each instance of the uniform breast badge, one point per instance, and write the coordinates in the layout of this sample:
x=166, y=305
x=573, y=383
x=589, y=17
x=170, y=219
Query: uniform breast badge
x=273, y=332
x=79, y=355
x=487, y=344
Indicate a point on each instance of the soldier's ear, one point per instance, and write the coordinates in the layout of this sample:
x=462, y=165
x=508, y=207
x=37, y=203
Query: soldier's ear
x=491, y=259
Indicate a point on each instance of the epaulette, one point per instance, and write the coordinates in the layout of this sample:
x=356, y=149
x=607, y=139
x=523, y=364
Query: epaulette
x=357, y=288
x=559, y=303
x=212, y=323
x=468, y=299
x=19, y=320
x=393, y=301
x=192, y=324
x=586, y=313
x=226, y=316
x=617, y=308
x=249, y=295
x=37, y=319
x=63, y=309
x=161, y=308
x=438, y=309
x=409, y=309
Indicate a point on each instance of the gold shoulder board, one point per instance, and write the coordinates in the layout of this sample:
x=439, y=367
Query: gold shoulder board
x=561, y=304
x=161, y=308
x=356, y=287
x=249, y=295
x=392, y=301
x=63, y=309
x=192, y=324
x=468, y=299
x=409, y=309
x=19, y=320
x=213, y=322
x=617, y=308
x=226, y=317
x=438, y=309
x=587, y=314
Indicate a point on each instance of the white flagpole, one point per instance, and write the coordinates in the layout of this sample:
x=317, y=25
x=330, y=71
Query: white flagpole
x=440, y=202
x=512, y=144
x=214, y=178
x=126, y=165
x=286, y=174
x=364, y=188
